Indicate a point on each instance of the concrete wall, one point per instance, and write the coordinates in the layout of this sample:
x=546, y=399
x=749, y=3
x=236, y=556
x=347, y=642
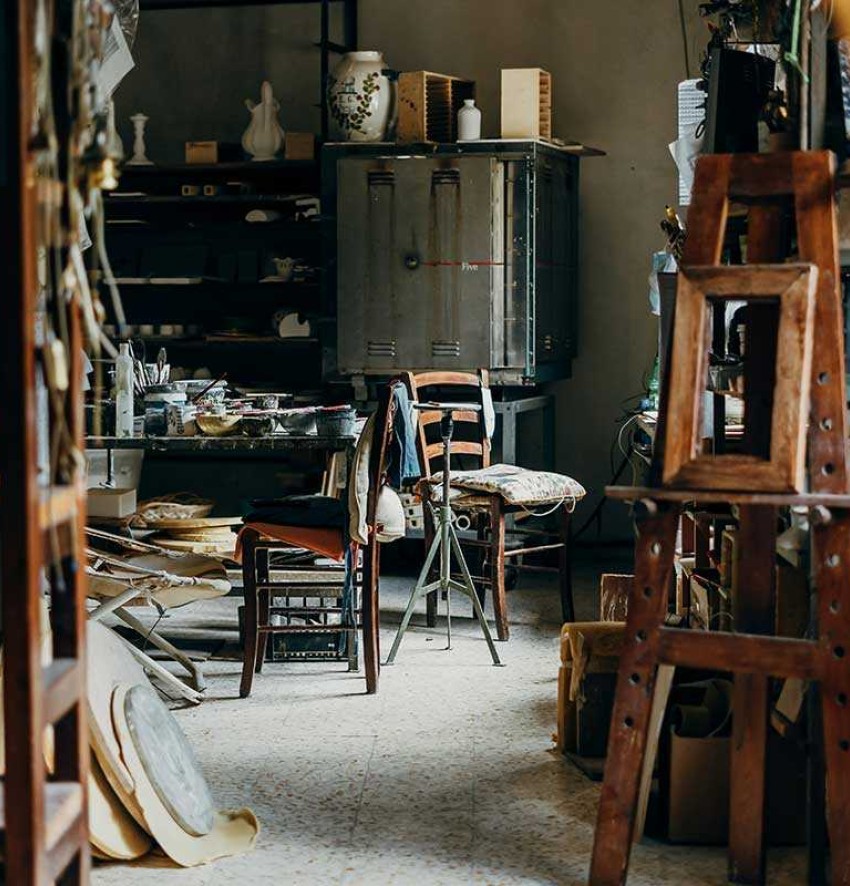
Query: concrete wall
x=615, y=67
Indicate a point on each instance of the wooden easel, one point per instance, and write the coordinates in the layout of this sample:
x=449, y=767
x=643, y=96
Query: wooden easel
x=768, y=185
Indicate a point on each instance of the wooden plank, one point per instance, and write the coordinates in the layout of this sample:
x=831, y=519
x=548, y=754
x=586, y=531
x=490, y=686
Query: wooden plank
x=747, y=653
x=456, y=447
x=63, y=805
x=817, y=238
x=831, y=568
x=803, y=499
x=753, y=607
x=660, y=697
x=62, y=688
x=58, y=505
x=630, y=721
x=761, y=176
x=20, y=530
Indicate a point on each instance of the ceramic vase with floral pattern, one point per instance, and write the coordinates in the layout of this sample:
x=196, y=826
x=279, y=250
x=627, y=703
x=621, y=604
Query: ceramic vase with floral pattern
x=361, y=98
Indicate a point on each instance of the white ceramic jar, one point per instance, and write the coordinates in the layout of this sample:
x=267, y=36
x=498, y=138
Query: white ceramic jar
x=361, y=98
x=468, y=122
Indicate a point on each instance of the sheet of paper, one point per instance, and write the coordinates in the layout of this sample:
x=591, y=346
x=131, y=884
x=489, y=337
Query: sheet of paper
x=685, y=151
x=117, y=59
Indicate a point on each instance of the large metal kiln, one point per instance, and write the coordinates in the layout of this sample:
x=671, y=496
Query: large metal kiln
x=457, y=257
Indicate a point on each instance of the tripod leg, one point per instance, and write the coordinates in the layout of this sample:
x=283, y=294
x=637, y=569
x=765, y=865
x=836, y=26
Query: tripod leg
x=415, y=594
x=473, y=596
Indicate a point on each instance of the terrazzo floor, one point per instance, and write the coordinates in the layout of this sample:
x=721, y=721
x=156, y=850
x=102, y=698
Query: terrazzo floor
x=446, y=776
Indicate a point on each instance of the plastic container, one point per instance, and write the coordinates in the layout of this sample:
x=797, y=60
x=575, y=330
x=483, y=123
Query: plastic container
x=336, y=422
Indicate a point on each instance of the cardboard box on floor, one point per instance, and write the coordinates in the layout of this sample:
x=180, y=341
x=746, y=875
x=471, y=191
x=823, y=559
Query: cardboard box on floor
x=698, y=799
x=590, y=655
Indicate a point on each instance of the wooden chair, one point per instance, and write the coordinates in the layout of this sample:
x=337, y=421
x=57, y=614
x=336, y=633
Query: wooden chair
x=470, y=449
x=260, y=589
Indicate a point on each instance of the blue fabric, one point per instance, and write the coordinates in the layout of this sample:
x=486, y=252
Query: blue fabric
x=403, y=464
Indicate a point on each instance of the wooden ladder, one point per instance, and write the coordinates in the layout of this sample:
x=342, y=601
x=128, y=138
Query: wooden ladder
x=43, y=815
x=767, y=185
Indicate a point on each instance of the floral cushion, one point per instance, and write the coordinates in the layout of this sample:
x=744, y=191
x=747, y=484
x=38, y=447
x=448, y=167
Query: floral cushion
x=517, y=486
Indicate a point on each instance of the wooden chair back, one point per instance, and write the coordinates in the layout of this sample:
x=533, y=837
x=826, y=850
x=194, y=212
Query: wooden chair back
x=470, y=439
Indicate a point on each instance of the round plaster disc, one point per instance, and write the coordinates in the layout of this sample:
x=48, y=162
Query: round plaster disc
x=169, y=761
x=109, y=663
x=112, y=831
x=232, y=833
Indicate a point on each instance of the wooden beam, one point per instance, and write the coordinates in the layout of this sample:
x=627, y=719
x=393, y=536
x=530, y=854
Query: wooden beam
x=740, y=653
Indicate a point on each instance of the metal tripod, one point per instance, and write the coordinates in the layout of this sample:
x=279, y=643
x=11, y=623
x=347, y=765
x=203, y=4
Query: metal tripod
x=446, y=543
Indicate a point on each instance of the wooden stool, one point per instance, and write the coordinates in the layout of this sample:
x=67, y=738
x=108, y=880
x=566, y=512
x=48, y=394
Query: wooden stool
x=805, y=179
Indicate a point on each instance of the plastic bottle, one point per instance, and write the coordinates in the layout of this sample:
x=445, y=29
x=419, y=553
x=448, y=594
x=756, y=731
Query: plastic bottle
x=124, y=392
x=468, y=122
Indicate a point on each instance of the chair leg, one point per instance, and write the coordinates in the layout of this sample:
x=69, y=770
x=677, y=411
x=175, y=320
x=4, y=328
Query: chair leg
x=565, y=567
x=249, y=587
x=370, y=616
x=263, y=605
x=262, y=559
x=481, y=557
x=497, y=567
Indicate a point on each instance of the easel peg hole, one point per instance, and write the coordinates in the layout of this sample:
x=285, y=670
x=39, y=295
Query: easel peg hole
x=634, y=679
x=826, y=424
x=647, y=592
x=844, y=744
x=833, y=560
x=841, y=699
x=834, y=607
x=655, y=548
x=629, y=722
x=823, y=378
x=838, y=651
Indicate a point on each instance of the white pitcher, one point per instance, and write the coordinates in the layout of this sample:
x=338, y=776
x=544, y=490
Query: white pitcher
x=263, y=137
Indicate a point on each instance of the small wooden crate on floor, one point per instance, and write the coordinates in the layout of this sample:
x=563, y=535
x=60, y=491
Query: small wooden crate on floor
x=428, y=104
x=526, y=103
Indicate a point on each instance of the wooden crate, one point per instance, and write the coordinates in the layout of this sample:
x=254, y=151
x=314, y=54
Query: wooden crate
x=428, y=104
x=526, y=103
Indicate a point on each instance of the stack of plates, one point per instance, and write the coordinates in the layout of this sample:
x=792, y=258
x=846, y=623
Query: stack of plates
x=202, y=535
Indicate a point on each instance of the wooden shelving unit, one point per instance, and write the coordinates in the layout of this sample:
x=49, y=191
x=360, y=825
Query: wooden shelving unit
x=224, y=258
x=41, y=542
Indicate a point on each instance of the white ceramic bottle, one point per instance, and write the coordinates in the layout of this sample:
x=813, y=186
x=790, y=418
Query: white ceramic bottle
x=124, y=392
x=468, y=122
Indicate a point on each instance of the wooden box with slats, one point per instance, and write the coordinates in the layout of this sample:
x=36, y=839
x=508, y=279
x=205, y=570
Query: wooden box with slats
x=526, y=103
x=428, y=104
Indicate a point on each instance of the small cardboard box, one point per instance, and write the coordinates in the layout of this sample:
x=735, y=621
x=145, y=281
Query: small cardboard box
x=202, y=152
x=299, y=146
x=526, y=103
x=102, y=501
x=589, y=649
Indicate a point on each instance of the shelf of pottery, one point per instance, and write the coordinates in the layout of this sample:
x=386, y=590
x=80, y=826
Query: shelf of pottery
x=219, y=260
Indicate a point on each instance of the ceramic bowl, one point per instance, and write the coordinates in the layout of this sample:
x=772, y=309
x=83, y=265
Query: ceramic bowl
x=218, y=425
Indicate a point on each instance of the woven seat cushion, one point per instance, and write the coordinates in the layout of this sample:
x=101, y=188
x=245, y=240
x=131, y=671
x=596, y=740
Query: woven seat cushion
x=516, y=486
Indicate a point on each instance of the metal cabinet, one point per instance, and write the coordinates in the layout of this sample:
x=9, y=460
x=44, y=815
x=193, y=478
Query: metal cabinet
x=455, y=257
